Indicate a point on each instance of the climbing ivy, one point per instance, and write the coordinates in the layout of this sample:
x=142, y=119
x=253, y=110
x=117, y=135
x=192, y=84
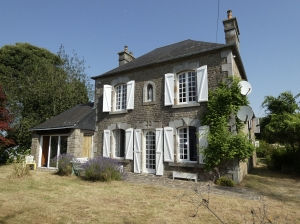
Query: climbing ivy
x=223, y=146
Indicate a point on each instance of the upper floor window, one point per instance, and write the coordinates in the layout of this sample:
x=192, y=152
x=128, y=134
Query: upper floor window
x=190, y=87
x=187, y=87
x=123, y=97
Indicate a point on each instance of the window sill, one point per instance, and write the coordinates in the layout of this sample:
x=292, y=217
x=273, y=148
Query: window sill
x=122, y=160
x=145, y=103
x=186, y=105
x=187, y=164
x=119, y=112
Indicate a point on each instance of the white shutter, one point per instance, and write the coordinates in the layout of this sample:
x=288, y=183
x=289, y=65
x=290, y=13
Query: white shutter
x=202, y=84
x=129, y=144
x=169, y=89
x=203, y=132
x=137, y=150
x=256, y=125
x=130, y=95
x=106, y=143
x=168, y=144
x=159, y=151
x=106, y=98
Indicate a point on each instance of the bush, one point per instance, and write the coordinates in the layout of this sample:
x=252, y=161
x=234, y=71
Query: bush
x=279, y=156
x=264, y=149
x=64, y=164
x=103, y=169
x=14, y=154
x=225, y=181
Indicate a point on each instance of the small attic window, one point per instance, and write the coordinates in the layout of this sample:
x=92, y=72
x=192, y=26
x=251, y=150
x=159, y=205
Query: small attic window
x=149, y=95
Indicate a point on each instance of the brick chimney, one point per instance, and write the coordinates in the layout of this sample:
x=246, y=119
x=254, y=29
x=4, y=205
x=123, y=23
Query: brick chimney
x=231, y=30
x=125, y=57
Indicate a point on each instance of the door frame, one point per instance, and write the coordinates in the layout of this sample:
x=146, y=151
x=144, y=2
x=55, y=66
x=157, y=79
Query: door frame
x=144, y=161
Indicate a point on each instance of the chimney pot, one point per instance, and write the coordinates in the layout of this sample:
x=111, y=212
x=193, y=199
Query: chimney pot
x=125, y=48
x=229, y=14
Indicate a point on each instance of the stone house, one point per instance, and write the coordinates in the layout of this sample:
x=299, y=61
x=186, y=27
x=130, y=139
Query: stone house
x=69, y=132
x=148, y=108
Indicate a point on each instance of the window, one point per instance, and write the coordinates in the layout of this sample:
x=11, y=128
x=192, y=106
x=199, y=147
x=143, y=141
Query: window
x=51, y=147
x=123, y=97
x=187, y=87
x=119, y=147
x=187, y=144
x=150, y=151
x=190, y=87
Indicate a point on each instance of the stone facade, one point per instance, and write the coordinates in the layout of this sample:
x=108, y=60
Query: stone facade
x=220, y=65
x=75, y=142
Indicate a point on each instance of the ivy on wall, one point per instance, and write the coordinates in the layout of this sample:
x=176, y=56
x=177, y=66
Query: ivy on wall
x=223, y=145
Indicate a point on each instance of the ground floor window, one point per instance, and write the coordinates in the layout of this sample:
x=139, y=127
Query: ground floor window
x=52, y=146
x=119, y=143
x=187, y=144
x=150, y=151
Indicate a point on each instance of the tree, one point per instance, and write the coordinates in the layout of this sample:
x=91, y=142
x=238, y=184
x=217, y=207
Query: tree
x=284, y=103
x=5, y=121
x=223, y=146
x=282, y=123
x=39, y=86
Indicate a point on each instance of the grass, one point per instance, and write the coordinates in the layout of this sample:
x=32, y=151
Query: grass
x=44, y=197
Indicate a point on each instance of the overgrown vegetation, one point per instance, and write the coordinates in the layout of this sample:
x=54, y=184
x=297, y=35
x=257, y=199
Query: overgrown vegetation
x=224, y=145
x=103, y=169
x=19, y=170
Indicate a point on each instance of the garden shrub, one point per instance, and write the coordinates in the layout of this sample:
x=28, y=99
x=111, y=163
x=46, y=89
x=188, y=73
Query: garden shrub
x=225, y=181
x=279, y=156
x=64, y=164
x=103, y=169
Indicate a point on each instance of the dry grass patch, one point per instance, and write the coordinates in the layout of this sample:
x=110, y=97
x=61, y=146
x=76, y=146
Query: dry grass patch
x=44, y=197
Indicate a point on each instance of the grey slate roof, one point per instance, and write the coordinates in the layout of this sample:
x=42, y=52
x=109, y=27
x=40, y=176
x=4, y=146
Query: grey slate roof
x=82, y=116
x=169, y=52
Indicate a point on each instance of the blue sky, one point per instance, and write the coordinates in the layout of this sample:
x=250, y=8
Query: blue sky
x=98, y=30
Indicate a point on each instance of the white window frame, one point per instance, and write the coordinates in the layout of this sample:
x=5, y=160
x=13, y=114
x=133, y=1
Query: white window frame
x=145, y=145
x=117, y=143
x=122, y=98
x=172, y=88
x=186, y=88
x=188, y=147
x=49, y=149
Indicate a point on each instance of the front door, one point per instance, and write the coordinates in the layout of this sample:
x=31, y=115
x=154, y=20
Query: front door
x=149, y=151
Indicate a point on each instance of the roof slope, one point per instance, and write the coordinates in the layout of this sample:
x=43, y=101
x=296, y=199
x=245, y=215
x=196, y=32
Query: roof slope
x=81, y=116
x=180, y=49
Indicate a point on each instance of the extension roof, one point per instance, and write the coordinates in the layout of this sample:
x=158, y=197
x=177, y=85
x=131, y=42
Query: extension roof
x=170, y=52
x=82, y=116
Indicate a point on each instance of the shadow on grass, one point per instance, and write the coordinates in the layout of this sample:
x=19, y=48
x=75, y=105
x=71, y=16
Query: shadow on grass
x=263, y=171
x=273, y=184
x=7, y=218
